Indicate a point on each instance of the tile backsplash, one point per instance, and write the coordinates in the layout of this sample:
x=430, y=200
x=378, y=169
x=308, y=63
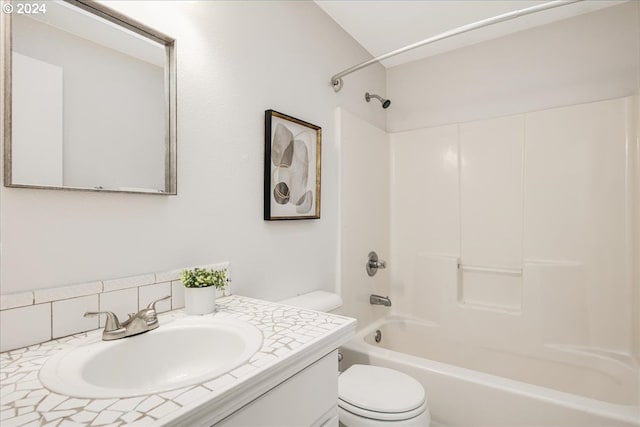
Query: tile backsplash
x=37, y=316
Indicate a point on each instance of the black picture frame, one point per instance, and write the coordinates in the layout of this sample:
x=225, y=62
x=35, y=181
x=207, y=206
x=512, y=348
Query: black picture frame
x=292, y=168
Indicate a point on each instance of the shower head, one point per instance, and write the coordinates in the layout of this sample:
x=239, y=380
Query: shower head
x=385, y=102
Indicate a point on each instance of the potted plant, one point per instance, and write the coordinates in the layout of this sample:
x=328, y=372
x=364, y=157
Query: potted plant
x=200, y=285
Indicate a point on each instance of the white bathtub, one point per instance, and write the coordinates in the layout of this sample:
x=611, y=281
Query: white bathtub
x=476, y=386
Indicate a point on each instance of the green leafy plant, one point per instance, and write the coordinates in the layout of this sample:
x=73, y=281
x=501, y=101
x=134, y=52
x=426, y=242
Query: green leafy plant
x=203, y=278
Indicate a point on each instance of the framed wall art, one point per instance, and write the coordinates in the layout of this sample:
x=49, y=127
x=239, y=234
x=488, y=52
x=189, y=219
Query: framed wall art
x=291, y=168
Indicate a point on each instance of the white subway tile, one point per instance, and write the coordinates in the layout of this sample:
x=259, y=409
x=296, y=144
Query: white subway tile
x=129, y=282
x=66, y=292
x=147, y=294
x=120, y=302
x=59, y=311
x=168, y=276
x=20, y=299
x=20, y=327
x=68, y=316
x=177, y=295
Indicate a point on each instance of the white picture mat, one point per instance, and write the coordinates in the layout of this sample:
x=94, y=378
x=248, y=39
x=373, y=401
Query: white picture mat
x=310, y=137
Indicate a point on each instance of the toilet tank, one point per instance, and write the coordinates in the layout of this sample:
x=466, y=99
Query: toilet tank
x=316, y=300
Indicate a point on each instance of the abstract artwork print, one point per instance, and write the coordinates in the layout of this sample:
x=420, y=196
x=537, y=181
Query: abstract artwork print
x=291, y=168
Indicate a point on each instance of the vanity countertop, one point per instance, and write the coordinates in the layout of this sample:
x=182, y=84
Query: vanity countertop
x=292, y=339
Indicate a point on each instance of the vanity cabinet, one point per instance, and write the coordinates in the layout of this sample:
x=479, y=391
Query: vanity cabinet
x=308, y=398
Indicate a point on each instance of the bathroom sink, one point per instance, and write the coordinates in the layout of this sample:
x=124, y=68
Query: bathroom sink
x=178, y=354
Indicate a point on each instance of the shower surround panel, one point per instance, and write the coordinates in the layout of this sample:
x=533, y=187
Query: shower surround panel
x=546, y=200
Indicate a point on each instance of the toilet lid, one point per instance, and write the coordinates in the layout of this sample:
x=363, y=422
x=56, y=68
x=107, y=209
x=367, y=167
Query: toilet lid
x=378, y=389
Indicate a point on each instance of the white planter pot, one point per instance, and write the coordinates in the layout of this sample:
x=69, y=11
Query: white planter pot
x=200, y=300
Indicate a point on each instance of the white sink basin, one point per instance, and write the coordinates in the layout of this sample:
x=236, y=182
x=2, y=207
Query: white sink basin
x=179, y=353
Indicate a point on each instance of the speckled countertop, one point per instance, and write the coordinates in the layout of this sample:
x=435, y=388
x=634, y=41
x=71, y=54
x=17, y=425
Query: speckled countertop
x=293, y=337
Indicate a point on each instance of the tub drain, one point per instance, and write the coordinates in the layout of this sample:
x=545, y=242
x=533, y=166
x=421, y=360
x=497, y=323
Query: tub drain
x=378, y=337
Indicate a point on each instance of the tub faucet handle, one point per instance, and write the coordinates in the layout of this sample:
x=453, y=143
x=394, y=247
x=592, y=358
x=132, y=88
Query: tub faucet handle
x=374, y=263
x=378, y=264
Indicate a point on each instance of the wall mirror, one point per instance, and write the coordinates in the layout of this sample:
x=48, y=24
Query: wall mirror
x=89, y=100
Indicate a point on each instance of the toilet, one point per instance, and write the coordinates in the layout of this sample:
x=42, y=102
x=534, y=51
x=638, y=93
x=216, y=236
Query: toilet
x=371, y=396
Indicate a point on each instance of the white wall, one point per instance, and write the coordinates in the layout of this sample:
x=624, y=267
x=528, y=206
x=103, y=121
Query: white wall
x=364, y=214
x=586, y=58
x=235, y=60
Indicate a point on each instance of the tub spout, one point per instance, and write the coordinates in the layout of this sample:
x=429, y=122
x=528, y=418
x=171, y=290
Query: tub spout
x=379, y=300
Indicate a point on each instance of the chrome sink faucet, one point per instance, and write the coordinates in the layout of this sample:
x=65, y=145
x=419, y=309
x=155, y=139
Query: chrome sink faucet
x=379, y=300
x=142, y=321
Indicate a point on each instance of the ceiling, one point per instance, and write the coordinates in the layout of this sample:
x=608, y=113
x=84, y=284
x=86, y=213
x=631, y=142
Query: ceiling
x=381, y=26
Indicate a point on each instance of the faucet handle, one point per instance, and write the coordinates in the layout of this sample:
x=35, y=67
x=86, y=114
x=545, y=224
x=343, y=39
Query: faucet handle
x=379, y=264
x=152, y=304
x=112, y=323
x=374, y=263
x=149, y=314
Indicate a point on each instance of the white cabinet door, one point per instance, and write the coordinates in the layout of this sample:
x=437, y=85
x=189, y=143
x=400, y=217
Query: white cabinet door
x=308, y=398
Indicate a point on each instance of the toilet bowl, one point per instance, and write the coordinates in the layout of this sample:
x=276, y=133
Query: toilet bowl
x=371, y=396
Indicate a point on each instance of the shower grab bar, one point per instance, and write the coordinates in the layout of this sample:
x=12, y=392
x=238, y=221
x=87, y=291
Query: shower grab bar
x=491, y=269
x=336, y=80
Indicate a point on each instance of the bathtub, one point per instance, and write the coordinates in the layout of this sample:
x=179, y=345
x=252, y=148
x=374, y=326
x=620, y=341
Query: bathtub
x=472, y=385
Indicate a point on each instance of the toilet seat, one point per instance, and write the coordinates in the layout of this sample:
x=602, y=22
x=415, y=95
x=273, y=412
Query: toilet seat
x=380, y=393
x=382, y=416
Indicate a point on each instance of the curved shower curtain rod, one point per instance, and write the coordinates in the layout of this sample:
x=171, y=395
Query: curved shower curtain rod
x=336, y=80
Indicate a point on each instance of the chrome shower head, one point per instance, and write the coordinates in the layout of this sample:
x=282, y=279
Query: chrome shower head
x=385, y=102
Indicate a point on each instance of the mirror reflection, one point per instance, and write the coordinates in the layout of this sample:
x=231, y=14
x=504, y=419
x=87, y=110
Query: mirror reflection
x=92, y=102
